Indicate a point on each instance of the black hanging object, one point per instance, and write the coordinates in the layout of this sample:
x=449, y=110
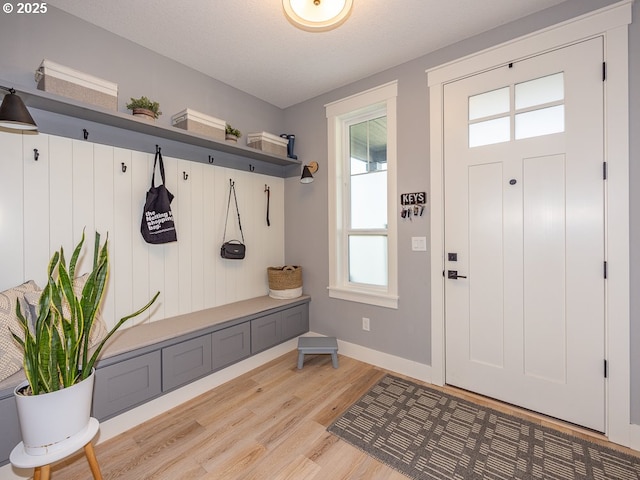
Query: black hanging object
x=157, y=224
x=36, y=154
x=268, y=190
x=210, y=159
x=85, y=133
x=233, y=249
x=124, y=168
x=251, y=168
x=185, y=175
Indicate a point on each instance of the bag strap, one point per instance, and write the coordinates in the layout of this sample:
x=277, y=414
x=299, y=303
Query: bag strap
x=155, y=160
x=232, y=188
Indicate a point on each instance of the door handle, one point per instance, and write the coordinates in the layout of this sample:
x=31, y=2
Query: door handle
x=453, y=274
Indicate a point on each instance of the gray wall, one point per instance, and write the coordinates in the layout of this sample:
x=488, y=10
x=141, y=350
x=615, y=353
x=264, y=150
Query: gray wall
x=406, y=332
x=67, y=40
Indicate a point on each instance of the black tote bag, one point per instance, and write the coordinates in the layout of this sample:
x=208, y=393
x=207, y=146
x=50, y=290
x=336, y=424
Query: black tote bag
x=157, y=220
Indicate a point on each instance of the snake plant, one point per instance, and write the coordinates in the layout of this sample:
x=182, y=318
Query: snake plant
x=57, y=352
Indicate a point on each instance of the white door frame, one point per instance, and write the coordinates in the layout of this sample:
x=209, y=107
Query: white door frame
x=612, y=23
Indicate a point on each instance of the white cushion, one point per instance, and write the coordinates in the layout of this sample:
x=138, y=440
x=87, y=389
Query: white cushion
x=11, y=353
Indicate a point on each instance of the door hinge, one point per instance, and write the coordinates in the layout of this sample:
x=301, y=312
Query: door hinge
x=604, y=170
x=605, y=269
x=606, y=369
x=604, y=71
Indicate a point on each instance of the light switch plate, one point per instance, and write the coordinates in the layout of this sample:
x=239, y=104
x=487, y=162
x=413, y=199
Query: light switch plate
x=419, y=244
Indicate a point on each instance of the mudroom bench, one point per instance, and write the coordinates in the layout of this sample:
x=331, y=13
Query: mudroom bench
x=141, y=363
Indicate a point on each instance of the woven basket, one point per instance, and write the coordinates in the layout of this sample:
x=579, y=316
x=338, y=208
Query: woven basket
x=284, y=278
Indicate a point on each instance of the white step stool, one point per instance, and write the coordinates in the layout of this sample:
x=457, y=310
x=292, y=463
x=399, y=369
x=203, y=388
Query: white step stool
x=315, y=345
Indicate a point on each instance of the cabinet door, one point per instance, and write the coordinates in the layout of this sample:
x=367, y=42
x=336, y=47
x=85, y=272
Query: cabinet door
x=231, y=344
x=265, y=332
x=126, y=384
x=295, y=321
x=9, y=427
x=185, y=361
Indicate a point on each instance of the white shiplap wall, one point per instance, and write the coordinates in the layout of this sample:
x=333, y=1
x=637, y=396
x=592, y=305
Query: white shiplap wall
x=76, y=184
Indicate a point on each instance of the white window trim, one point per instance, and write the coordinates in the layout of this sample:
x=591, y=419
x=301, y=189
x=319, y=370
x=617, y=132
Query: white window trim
x=612, y=23
x=336, y=112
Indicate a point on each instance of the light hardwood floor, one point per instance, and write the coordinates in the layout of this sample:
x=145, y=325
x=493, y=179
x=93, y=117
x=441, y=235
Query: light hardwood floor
x=267, y=424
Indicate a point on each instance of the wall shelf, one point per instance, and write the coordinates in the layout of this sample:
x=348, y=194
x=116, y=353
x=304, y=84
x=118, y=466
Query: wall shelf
x=56, y=104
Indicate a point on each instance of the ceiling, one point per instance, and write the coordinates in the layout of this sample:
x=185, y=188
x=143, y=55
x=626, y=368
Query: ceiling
x=250, y=45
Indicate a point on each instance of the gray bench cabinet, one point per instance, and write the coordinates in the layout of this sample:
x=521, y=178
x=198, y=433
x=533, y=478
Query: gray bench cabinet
x=9, y=428
x=231, y=345
x=134, y=375
x=278, y=327
x=185, y=362
x=123, y=385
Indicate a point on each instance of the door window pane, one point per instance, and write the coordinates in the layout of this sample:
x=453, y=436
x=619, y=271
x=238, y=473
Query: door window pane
x=489, y=104
x=490, y=132
x=368, y=259
x=369, y=200
x=540, y=122
x=540, y=91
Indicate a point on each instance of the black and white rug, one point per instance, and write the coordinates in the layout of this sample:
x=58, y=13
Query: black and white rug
x=426, y=434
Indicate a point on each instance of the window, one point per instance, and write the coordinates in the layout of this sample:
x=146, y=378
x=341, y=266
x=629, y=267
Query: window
x=362, y=197
x=539, y=110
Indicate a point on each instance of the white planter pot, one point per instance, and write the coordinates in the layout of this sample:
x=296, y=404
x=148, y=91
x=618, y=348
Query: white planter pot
x=51, y=418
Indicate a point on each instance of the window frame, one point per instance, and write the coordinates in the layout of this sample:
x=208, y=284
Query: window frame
x=340, y=115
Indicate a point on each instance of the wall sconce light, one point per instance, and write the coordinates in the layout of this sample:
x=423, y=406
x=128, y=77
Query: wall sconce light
x=308, y=171
x=317, y=15
x=14, y=114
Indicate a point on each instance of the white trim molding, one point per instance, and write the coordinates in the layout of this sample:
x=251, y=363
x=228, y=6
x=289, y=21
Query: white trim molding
x=611, y=23
x=383, y=98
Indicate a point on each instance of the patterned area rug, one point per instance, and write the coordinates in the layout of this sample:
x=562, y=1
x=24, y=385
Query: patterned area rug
x=427, y=434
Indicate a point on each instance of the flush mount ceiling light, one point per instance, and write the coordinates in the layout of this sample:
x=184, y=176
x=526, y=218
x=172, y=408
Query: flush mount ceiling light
x=317, y=15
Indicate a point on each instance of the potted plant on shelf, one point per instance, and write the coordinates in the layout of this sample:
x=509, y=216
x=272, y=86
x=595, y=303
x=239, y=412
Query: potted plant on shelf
x=232, y=134
x=145, y=108
x=54, y=404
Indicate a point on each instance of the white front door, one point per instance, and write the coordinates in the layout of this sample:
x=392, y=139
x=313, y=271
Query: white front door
x=524, y=230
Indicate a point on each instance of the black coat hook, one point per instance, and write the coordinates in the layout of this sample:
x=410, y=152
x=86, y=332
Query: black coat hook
x=85, y=133
x=210, y=159
x=185, y=175
x=251, y=168
x=124, y=168
x=36, y=154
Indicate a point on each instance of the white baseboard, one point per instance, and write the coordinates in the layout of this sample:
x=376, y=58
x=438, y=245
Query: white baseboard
x=634, y=437
x=416, y=370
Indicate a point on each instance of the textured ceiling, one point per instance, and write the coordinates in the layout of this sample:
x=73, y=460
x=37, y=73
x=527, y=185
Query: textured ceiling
x=250, y=45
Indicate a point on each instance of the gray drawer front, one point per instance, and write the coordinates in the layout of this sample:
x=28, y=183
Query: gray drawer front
x=126, y=384
x=295, y=321
x=231, y=344
x=265, y=332
x=185, y=361
x=9, y=428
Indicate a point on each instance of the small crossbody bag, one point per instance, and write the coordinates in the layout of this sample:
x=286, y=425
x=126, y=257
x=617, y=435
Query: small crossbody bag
x=232, y=249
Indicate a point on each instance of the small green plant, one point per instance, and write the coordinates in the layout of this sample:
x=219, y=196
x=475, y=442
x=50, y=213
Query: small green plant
x=229, y=130
x=57, y=353
x=144, y=102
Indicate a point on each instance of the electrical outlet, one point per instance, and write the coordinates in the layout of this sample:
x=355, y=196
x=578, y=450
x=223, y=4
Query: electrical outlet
x=365, y=324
